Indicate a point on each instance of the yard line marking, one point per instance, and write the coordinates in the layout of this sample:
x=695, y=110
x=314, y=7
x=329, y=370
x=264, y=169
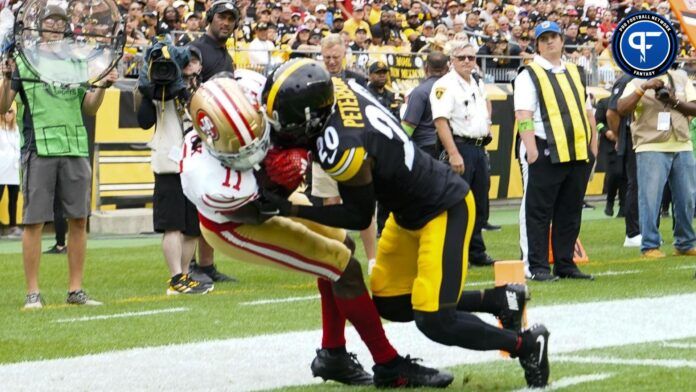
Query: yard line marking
x=684, y=267
x=486, y=283
x=566, y=382
x=279, y=300
x=668, y=363
x=613, y=273
x=239, y=365
x=121, y=315
x=689, y=346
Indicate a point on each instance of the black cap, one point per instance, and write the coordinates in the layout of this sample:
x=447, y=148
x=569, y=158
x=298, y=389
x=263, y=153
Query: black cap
x=338, y=15
x=378, y=66
x=261, y=26
x=359, y=29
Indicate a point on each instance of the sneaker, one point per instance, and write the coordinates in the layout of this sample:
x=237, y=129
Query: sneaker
x=15, y=232
x=33, y=301
x=407, y=373
x=543, y=276
x=342, y=367
x=688, y=252
x=654, y=254
x=516, y=297
x=485, y=262
x=536, y=361
x=609, y=210
x=57, y=250
x=213, y=274
x=79, y=297
x=633, y=242
x=491, y=227
x=186, y=285
x=587, y=206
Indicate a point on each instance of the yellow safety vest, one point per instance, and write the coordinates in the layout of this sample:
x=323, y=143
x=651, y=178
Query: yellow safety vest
x=562, y=100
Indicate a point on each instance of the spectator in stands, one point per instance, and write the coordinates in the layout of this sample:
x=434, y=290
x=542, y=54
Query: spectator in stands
x=260, y=48
x=452, y=12
x=134, y=37
x=135, y=10
x=55, y=160
x=181, y=8
x=193, y=29
x=504, y=28
x=9, y=168
x=301, y=37
x=377, y=85
x=571, y=42
x=149, y=25
x=663, y=155
x=356, y=21
x=338, y=23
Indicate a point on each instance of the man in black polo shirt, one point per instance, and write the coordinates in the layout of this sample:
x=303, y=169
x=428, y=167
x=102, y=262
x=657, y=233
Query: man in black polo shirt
x=223, y=18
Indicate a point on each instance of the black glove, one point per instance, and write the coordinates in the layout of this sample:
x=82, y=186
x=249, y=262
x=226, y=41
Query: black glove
x=272, y=204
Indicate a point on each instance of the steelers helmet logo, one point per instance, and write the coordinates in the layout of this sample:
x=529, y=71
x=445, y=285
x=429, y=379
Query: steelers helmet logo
x=206, y=125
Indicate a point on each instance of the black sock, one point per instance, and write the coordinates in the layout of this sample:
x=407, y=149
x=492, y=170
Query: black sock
x=337, y=350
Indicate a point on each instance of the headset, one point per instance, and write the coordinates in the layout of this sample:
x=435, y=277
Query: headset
x=220, y=6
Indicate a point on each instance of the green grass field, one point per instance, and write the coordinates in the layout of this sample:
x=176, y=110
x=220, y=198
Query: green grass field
x=129, y=275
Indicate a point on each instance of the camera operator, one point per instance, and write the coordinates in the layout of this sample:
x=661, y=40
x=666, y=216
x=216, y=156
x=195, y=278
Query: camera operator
x=166, y=81
x=661, y=108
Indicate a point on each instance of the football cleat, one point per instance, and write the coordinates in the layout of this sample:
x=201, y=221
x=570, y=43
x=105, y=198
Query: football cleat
x=535, y=361
x=513, y=304
x=407, y=373
x=342, y=367
x=186, y=285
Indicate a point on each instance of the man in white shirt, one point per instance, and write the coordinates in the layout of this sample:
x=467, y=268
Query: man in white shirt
x=260, y=47
x=461, y=113
x=559, y=145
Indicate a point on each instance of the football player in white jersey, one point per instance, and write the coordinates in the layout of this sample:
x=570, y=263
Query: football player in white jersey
x=219, y=166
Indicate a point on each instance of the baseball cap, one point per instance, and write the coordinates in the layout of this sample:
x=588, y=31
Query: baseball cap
x=546, y=27
x=378, y=66
x=277, y=6
x=192, y=15
x=54, y=11
x=302, y=28
x=358, y=5
x=261, y=26
x=428, y=23
x=338, y=15
x=452, y=4
x=179, y=3
x=294, y=14
x=222, y=6
x=359, y=29
x=320, y=7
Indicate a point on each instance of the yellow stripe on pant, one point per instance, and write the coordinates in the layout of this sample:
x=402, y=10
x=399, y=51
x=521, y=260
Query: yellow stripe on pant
x=411, y=261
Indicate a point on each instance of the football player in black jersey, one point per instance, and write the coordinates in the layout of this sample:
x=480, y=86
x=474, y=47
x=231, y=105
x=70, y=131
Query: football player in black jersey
x=422, y=254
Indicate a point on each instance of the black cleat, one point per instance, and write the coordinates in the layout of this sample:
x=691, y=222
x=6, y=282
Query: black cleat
x=342, y=367
x=407, y=373
x=513, y=303
x=535, y=361
x=485, y=262
x=209, y=273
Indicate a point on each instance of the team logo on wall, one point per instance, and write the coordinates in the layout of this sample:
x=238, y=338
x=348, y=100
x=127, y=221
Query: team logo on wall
x=645, y=45
x=205, y=124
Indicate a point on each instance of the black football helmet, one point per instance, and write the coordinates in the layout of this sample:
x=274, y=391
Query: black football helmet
x=299, y=98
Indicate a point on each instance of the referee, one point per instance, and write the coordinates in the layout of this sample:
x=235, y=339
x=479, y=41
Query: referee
x=559, y=143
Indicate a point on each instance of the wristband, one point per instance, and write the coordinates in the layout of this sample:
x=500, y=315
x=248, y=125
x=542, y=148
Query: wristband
x=640, y=91
x=525, y=125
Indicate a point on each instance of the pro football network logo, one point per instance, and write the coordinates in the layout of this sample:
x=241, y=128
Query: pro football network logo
x=645, y=45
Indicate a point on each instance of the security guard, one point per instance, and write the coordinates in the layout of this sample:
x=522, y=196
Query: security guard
x=379, y=73
x=461, y=113
x=558, y=132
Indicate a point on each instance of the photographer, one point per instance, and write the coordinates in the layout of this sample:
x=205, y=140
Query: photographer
x=168, y=76
x=660, y=131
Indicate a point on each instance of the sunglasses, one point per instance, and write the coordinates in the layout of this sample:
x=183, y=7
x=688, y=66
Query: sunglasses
x=465, y=57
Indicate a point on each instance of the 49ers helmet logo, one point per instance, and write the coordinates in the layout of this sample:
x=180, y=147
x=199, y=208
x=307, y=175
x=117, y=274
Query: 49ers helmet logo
x=206, y=125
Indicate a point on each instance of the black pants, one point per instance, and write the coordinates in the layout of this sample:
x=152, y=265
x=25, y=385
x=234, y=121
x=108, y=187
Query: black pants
x=477, y=176
x=615, y=180
x=554, y=196
x=631, y=199
x=13, y=194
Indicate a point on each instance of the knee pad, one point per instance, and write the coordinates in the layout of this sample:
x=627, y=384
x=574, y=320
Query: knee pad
x=396, y=309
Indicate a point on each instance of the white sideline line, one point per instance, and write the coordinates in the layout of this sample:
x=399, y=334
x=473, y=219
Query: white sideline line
x=689, y=346
x=668, y=363
x=570, y=381
x=485, y=283
x=279, y=300
x=613, y=273
x=684, y=267
x=280, y=360
x=120, y=315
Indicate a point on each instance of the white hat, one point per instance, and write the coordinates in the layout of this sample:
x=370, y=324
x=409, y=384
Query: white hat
x=320, y=7
x=180, y=3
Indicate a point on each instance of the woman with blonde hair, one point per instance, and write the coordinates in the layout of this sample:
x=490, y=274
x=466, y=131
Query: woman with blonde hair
x=9, y=167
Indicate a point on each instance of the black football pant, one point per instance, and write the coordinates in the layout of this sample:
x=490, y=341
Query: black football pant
x=477, y=176
x=554, y=196
x=615, y=181
x=631, y=198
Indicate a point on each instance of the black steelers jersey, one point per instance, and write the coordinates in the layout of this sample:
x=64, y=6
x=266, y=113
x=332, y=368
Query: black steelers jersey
x=407, y=181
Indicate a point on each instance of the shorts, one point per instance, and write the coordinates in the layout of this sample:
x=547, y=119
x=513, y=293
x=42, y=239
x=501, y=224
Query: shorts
x=322, y=185
x=429, y=264
x=287, y=243
x=171, y=210
x=45, y=178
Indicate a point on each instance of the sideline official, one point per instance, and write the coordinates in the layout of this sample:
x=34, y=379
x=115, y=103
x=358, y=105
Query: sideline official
x=461, y=112
x=558, y=132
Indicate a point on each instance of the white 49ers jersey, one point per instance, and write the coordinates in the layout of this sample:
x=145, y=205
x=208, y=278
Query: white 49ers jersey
x=216, y=190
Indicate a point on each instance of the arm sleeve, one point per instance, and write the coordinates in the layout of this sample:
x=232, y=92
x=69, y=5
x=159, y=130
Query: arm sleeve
x=147, y=115
x=354, y=214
